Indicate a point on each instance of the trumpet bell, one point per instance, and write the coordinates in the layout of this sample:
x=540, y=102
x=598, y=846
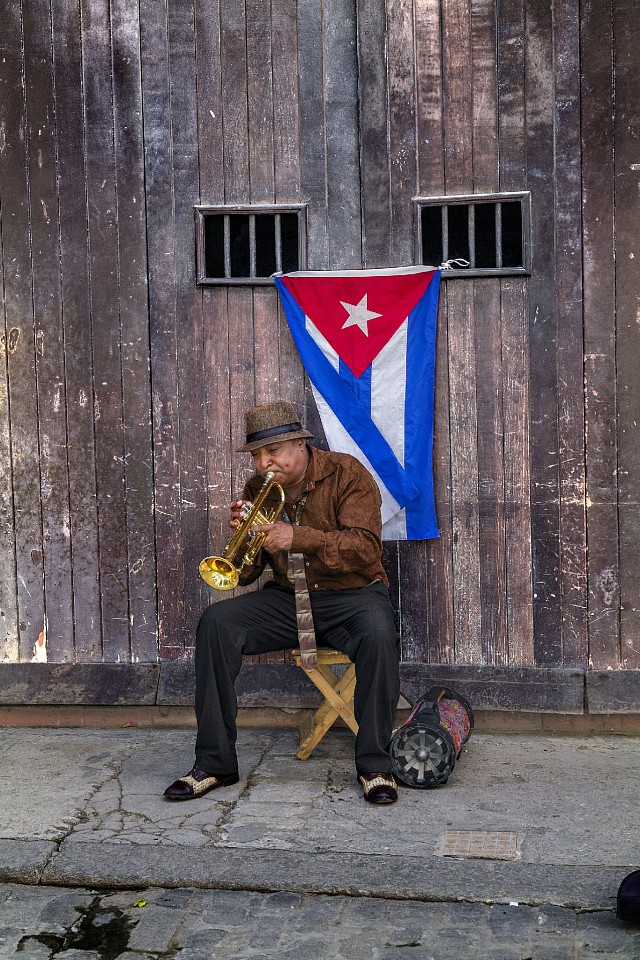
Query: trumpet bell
x=218, y=573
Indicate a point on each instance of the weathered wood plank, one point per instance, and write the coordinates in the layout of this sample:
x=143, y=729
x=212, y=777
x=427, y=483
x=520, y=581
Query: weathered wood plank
x=109, y=684
x=260, y=101
x=430, y=171
x=413, y=559
x=8, y=583
x=429, y=98
x=510, y=66
x=613, y=691
x=457, y=79
x=543, y=336
x=517, y=472
x=57, y=642
x=491, y=506
x=20, y=340
x=515, y=345
x=163, y=325
x=218, y=424
x=209, y=101
x=257, y=685
x=192, y=504
x=219, y=454
x=488, y=349
x=401, y=82
x=341, y=123
x=439, y=552
x=74, y=266
x=464, y=474
x=484, y=94
x=285, y=100
x=241, y=377
x=629, y=519
x=10, y=67
x=287, y=134
x=401, y=124
x=463, y=416
x=292, y=376
x=604, y=586
x=233, y=47
x=134, y=323
x=313, y=181
x=105, y=327
x=568, y=215
x=374, y=147
x=265, y=326
x=627, y=175
x=539, y=689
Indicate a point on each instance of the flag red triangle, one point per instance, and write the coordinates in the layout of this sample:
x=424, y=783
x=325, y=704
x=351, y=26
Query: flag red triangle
x=356, y=314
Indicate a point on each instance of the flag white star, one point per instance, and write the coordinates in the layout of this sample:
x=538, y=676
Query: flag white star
x=359, y=315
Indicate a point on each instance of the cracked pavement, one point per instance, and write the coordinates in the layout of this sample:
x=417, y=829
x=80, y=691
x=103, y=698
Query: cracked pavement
x=83, y=809
x=291, y=861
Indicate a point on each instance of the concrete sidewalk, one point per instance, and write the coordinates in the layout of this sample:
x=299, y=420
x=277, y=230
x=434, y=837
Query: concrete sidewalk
x=84, y=807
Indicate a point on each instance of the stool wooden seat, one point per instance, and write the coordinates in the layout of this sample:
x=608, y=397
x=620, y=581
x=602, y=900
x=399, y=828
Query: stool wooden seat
x=337, y=692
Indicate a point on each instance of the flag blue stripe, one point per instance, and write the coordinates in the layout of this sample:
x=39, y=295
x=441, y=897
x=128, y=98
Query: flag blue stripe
x=361, y=386
x=421, y=338
x=346, y=405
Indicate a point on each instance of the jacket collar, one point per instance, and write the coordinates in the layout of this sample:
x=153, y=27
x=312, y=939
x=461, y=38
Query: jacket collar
x=320, y=466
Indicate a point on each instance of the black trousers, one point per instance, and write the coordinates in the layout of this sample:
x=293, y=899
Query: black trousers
x=359, y=623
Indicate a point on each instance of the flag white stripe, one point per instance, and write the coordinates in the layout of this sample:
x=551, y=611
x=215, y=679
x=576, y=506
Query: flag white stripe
x=321, y=341
x=388, y=390
x=338, y=438
x=396, y=527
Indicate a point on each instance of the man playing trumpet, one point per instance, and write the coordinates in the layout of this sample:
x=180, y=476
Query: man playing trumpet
x=331, y=524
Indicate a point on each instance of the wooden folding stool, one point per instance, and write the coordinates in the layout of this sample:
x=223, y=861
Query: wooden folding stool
x=338, y=697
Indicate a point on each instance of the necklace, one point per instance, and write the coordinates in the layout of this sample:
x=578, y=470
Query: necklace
x=297, y=511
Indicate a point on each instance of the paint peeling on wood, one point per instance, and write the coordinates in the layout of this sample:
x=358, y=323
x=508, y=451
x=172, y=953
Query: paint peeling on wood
x=12, y=340
x=40, y=648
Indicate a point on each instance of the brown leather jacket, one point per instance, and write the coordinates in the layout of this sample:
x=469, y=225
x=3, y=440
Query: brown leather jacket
x=340, y=526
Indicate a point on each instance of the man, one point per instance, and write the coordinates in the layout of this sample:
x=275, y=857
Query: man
x=331, y=517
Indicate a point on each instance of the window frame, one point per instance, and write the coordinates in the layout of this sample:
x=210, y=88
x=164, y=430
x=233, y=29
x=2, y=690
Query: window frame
x=470, y=200
x=201, y=210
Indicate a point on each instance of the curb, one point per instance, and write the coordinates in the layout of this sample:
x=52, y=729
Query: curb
x=137, y=866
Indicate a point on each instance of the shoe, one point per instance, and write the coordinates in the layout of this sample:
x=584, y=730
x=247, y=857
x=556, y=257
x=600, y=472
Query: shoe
x=196, y=783
x=379, y=787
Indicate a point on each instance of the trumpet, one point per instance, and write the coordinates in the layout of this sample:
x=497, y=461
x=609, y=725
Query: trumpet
x=223, y=573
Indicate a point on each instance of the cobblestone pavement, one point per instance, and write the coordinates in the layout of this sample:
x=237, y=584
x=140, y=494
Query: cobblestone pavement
x=43, y=923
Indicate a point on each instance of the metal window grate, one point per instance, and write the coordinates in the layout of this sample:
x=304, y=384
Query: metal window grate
x=491, y=232
x=247, y=245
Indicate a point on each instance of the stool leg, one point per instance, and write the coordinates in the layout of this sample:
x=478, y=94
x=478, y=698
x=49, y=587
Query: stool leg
x=338, y=693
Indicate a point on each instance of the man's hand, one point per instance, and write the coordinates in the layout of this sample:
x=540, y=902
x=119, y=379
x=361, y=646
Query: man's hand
x=239, y=509
x=279, y=535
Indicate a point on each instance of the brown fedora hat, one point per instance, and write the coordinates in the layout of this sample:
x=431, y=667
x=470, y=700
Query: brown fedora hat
x=271, y=422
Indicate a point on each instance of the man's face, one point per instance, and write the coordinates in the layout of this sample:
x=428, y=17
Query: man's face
x=286, y=459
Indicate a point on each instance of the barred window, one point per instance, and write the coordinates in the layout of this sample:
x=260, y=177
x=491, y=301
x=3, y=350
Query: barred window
x=248, y=244
x=489, y=235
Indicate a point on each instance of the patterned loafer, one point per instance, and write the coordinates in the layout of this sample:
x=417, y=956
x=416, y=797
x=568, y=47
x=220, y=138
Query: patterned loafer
x=379, y=787
x=196, y=783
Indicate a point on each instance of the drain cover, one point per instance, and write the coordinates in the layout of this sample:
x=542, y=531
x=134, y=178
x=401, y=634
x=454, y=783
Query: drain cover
x=480, y=843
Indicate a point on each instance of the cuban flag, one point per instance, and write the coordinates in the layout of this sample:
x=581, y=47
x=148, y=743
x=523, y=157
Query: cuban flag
x=367, y=341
